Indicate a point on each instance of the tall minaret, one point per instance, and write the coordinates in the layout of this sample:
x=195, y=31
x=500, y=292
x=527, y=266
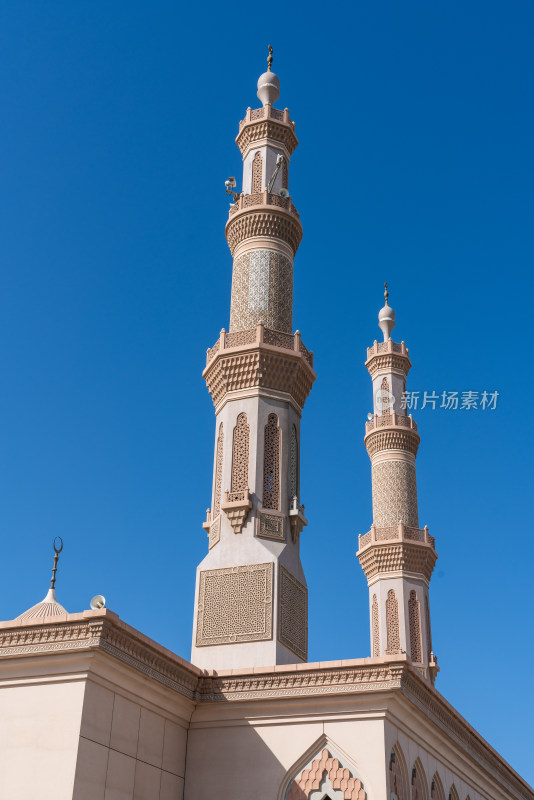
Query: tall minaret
x=396, y=555
x=251, y=598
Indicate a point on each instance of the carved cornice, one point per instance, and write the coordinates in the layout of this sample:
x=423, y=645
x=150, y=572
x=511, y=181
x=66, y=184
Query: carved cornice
x=100, y=633
x=256, y=130
x=273, y=221
x=304, y=683
x=400, y=556
x=392, y=438
x=389, y=362
x=259, y=365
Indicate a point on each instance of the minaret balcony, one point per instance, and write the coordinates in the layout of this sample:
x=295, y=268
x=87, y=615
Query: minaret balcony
x=264, y=198
x=399, y=531
x=378, y=348
x=259, y=358
x=388, y=356
x=390, y=420
x=263, y=214
x=398, y=548
x=266, y=123
x=391, y=432
x=236, y=507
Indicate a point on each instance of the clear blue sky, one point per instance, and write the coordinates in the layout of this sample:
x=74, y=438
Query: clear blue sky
x=415, y=165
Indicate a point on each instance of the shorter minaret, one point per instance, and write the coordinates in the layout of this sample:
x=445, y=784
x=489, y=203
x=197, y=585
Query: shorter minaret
x=49, y=606
x=396, y=555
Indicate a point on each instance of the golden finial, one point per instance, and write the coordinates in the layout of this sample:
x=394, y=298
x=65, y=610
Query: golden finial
x=269, y=59
x=386, y=295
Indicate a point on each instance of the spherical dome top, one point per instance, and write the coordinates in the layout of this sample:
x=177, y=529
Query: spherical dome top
x=386, y=313
x=386, y=321
x=268, y=88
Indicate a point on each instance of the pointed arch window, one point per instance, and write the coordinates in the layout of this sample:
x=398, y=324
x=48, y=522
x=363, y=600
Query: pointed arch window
x=218, y=472
x=271, y=464
x=419, y=790
x=376, y=632
x=396, y=782
x=385, y=394
x=392, y=623
x=257, y=173
x=415, y=628
x=240, y=454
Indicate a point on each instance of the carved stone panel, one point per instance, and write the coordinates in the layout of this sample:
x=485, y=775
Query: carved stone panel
x=292, y=614
x=394, y=494
x=262, y=291
x=271, y=526
x=235, y=604
x=214, y=532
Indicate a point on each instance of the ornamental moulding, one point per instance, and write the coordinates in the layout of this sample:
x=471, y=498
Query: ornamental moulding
x=389, y=362
x=392, y=439
x=413, y=557
x=254, y=130
x=259, y=365
x=276, y=223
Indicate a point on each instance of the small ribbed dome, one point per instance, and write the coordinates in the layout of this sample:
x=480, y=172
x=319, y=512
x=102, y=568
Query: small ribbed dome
x=268, y=88
x=48, y=607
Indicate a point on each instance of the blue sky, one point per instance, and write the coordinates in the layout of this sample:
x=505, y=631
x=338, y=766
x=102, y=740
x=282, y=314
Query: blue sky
x=415, y=166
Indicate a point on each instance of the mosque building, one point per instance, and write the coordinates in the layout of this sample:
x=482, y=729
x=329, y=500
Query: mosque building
x=92, y=709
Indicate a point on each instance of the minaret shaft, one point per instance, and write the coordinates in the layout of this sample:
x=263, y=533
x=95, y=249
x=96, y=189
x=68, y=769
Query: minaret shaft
x=396, y=555
x=251, y=595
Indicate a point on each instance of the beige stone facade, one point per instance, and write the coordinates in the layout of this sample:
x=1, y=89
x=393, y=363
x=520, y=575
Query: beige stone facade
x=90, y=709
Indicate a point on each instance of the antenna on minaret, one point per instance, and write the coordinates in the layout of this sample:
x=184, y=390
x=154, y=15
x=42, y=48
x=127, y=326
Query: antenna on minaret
x=269, y=58
x=57, y=551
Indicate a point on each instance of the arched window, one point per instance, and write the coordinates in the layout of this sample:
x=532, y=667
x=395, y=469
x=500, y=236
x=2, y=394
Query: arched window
x=415, y=628
x=436, y=788
x=218, y=472
x=271, y=464
x=392, y=623
x=240, y=449
x=257, y=177
x=385, y=394
x=419, y=784
x=376, y=632
x=293, y=474
x=396, y=778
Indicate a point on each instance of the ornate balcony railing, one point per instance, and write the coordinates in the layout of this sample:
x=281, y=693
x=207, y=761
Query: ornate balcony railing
x=260, y=335
x=267, y=112
x=387, y=420
x=396, y=532
x=379, y=348
x=264, y=198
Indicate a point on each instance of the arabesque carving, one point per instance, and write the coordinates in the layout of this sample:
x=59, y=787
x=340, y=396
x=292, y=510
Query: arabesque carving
x=235, y=605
